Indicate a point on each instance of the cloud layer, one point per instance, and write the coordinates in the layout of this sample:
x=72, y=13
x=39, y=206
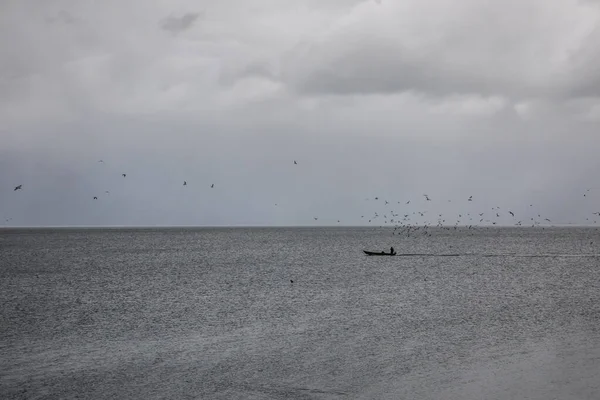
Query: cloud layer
x=497, y=98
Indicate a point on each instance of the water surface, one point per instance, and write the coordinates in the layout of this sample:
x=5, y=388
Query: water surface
x=212, y=314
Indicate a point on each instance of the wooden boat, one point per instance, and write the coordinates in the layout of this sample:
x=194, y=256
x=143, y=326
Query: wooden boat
x=378, y=253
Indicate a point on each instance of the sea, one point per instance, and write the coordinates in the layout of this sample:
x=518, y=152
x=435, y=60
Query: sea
x=299, y=313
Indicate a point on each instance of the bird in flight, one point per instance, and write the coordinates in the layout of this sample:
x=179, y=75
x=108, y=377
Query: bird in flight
x=470, y=198
x=295, y=163
x=427, y=197
x=212, y=186
x=511, y=213
x=124, y=175
x=184, y=183
x=95, y=198
x=20, y=187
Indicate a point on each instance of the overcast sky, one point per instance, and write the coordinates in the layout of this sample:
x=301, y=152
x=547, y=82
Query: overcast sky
x=395, y=99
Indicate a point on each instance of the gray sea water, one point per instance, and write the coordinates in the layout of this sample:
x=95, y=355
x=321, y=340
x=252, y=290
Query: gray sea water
x=212, y=314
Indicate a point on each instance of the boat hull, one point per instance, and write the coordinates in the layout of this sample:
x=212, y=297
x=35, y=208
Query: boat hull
x=375, y=253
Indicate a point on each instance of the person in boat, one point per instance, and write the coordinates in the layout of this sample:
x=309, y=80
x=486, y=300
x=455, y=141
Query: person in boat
x=392, y=250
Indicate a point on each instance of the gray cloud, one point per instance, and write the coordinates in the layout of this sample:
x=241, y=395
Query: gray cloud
x=179, y=24
x=512, y=48
x=62, y=17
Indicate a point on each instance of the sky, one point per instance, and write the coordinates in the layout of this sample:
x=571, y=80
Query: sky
x=390, y=99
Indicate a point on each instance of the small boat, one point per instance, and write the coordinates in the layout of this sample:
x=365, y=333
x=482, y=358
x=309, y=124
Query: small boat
x=378, y=253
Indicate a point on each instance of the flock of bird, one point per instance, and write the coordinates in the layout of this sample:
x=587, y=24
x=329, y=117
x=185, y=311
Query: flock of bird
x=411, y=222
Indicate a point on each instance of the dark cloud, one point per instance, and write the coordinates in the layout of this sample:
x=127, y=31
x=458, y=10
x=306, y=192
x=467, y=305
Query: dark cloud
x=495, y=49
x=379, y=68
x=251, y=70
x=180, y=24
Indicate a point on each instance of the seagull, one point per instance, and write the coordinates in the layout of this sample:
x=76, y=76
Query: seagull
x=315, y=218
x=427, y=197
x=95, y=198
x=184, y=183
x=101, y=161
x=470, y=198
x=511, y=213
x=20, y=187
x=408, y=202
x=212, y=186
x=295, y=163
x=124, y=175
x=107, y=192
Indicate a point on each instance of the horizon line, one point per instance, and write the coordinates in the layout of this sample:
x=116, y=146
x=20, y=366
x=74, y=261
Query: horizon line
x=285, y=226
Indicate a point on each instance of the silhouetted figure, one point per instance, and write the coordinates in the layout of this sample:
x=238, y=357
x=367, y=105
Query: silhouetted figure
x=392, y=250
